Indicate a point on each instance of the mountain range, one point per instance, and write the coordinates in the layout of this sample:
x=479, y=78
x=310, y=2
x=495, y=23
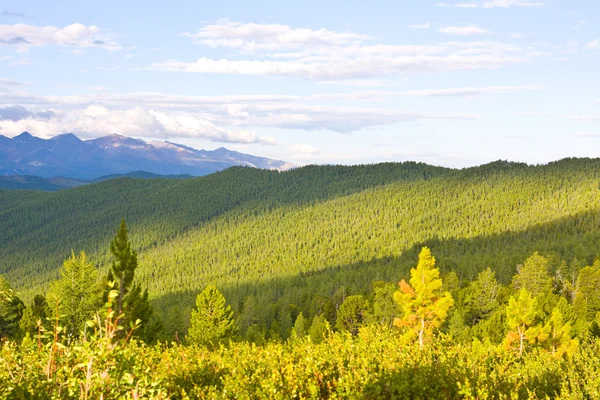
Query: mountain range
x=70, y=157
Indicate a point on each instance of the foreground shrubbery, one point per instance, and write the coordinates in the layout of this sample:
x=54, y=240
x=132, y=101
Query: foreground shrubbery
x=377, y=363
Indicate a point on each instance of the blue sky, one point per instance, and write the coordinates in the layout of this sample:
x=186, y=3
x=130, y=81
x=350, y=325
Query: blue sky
x=455, y=83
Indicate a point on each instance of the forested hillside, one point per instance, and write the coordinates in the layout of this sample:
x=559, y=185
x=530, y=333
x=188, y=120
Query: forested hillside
x=273, y=241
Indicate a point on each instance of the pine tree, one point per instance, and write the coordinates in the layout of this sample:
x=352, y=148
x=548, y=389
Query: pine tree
x=35, y=316
x=385, y=309
x=423, y=301
x=124, y=266
x=79, y=292
x=299, y=329
x=534, y=276
x=558, y=333
x=482, y=296
x=352, y=314
x=319, y=329
x=212, y=321
x=521, y=314
x=11, y=311
x=132, y=302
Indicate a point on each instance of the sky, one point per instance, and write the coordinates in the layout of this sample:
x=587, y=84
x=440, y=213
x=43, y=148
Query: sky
x=454, y=83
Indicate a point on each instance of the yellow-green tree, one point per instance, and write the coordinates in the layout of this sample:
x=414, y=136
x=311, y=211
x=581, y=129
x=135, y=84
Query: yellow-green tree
x=424, y=303
x=558, y=335
x=521, y=314
x=79, y=291
x=212, y=322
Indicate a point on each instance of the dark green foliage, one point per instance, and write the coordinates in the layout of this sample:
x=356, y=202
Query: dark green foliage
x=123, y=267
x=352, y=314
x=11, y=311
x=35, y=317
x=132, y=302
x=284, y=238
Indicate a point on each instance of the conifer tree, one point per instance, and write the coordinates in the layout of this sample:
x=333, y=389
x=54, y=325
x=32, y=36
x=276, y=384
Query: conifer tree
x=123, y=267
x=319, y=329
x=521, y=314
x=35, y=316
x=534, y=275
x=299, y=329
x=423, y=301
x=352, y=314
x=79, y=291
x=132, y=302
x=11, y=311
x=482, y=296
x=212, y=321
x=385, y=309
x=558, y=333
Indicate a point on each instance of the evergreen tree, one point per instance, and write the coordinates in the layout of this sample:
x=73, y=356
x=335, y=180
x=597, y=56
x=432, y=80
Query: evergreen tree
x=558, y=333
x=521, y=315
x=587, y=296
x=423, y=301
x=35, y=316
x=534, y=275
x=79, y=291
x=352, y=314
x=385, y=309
x=212, y=321
x=11, y=311
x=132, y=302
x=123, y=267
x=319, y=329
x=299, y=329
x=482, y=296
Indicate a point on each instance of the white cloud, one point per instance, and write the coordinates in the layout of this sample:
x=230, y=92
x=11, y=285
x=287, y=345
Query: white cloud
x=360, y=62
x=74, y=35
x=593, y=45
x=585, y=117
x=587, y=134
x=312, y=118
x=537, y=114
x=97, y=121
x=252, y=37
x=464, y=30
x=469, y=91
x=420, y=26
x=10, y=82
x=303, y=149
x=242, y=112
x=596, y=102
x=495, y=4
x=277, y=50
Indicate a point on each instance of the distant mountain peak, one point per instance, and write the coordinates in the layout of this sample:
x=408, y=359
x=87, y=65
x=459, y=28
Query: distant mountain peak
x=66, y=137
x=67, y=155
x=24, y=137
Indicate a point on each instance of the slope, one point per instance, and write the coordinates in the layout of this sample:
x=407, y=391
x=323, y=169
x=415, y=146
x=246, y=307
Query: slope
x=38, y=230
x=272, y=240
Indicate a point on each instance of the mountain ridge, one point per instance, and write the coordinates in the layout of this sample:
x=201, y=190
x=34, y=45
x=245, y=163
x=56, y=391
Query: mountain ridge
x=66, y=155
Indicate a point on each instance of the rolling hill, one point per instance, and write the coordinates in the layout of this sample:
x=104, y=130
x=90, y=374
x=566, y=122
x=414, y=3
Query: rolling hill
x=273, y=240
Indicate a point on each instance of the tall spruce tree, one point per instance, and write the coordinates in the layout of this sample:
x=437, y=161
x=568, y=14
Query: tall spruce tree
x=132, y=302
x=123, y=267
x=11, y=311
